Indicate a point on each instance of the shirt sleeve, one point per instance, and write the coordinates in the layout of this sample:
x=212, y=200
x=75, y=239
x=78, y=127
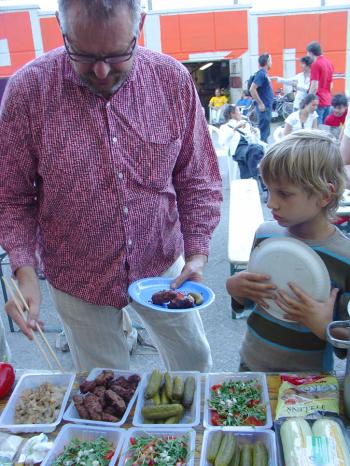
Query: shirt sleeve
x=315, y=72
x=18, y=196
x=196, y=176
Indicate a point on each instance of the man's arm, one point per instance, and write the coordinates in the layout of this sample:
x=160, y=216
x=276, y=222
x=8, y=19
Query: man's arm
x=197, y=182
x=18, y=196
x=313, y=87
x=254, y=93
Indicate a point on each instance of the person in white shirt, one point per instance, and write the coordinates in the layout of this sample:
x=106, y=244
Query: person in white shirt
x=300, y=81
x=305, y=118
x=345, y=147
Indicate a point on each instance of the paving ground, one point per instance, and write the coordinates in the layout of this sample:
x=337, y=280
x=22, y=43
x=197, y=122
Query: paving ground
x=224, y=334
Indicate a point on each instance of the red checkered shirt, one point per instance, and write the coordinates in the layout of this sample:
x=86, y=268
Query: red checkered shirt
x=109, y=191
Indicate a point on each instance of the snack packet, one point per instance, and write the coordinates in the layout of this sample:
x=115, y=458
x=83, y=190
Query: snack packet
x=300, y=396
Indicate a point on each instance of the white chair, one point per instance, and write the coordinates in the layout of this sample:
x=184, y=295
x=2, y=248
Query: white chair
x=214, y=134
x=278, y=133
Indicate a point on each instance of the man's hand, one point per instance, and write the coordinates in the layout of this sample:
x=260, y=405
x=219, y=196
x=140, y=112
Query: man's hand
x=307, y=311
x=252, y=286
x=29, y=286
x=262, y=107
x=193, y=270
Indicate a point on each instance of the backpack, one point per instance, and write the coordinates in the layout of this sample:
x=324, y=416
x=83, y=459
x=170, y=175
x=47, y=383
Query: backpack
x=250, y=82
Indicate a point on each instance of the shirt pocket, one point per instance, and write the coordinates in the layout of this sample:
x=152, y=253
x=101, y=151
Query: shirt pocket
x=152, y=160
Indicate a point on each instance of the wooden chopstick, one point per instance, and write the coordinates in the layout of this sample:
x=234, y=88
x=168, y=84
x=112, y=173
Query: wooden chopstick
x=36, y=341
x=37, y=326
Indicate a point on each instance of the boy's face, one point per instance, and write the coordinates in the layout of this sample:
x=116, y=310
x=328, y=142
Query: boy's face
x=291, y=205
x=339, y=110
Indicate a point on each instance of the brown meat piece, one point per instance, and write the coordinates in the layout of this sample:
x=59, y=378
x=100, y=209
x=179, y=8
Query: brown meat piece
x=109, y=417
x=125, y=393
x=163, y=297
x=80, y=407
x=134, y=379
x=122, y=381
x=93, y=405
x=87, y=386
x=109, y=410
x=116, y=401
x=104, y=378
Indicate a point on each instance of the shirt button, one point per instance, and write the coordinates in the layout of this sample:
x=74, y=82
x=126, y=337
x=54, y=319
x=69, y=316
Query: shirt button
x=126, y=210
x=129, y=242
x=120, y=176
x=114, y=139
x=108, y=104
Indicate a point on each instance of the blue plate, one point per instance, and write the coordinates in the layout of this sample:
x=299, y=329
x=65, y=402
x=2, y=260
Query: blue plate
x=142, y=290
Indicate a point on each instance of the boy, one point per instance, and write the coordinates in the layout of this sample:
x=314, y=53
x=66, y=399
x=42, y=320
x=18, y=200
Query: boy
x=340, y=110
x=304, y=176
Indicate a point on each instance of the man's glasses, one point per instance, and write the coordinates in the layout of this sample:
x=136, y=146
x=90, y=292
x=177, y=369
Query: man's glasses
x=92, y=59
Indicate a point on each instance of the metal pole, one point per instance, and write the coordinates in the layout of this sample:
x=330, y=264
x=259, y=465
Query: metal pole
x=323, y=3
x=149, y=5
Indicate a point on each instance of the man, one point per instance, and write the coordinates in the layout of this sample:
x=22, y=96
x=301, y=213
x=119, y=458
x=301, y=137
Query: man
x=320, y=80
x=340, y=110
x=262, y=93
x=109, y=186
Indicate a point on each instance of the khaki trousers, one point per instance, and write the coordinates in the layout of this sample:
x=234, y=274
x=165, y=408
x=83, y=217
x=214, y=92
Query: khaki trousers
x=96, y=338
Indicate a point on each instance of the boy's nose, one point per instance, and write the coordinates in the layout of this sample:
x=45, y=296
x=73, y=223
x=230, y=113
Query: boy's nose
x=271, y=203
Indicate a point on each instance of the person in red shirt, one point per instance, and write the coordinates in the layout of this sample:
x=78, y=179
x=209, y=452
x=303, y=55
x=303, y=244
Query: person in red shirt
x=320, y=80
x=340, y=110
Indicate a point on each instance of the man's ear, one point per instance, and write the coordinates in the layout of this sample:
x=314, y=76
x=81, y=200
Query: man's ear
x=326, y=198
x=142, y=21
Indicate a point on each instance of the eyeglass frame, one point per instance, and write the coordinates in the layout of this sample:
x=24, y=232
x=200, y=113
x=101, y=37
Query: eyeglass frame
x=92, y=59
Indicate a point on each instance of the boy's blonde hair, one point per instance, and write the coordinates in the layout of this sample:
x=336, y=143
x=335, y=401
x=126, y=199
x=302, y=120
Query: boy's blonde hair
x=309, y=159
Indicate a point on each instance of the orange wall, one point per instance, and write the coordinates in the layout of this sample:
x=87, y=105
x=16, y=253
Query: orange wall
x=296, y=31
x=16, y=28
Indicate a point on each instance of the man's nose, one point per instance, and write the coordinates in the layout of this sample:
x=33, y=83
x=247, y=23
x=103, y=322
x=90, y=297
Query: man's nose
x=101, y=69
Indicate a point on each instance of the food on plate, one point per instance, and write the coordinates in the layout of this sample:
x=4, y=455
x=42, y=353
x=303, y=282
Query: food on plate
x=237, y=403
x=34, y=450
x=167, y=398
x=97, y=452
x=7, y=378
x=301, y=442
x=105, y=398
x=300, y=396
x=167, y=450
x=176, y=299
x=225, y=449
x=39, y=405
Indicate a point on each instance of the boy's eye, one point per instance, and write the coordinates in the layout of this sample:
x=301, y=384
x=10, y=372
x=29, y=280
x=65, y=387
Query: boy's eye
x=285, y=194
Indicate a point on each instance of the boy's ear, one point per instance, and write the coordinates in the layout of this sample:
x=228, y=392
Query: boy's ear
x=326, y=198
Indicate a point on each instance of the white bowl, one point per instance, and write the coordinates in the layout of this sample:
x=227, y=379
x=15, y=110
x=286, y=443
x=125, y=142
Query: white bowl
x=30, y=381
x=159, y=432
x=89, y=433
x=72, y=415
x=192, y=415
x=217, y=378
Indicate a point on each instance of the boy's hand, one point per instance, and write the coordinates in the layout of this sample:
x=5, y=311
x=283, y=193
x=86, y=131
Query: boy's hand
x=251, y=286
x=307, y=311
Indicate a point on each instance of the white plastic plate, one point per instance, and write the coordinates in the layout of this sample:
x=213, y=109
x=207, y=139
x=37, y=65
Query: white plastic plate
x=30, y=381
x=71, y=415
x=290, y=260
x=89, y=433
x=192, y=415
x=217, y=378
x=159, y=432
x=267, y=437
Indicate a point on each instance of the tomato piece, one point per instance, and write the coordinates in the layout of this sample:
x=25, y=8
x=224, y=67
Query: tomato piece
x=109, y=455
x=215, y=419
x=252, y=403
x=132, y=441
x=215, y=387
x=253, y=421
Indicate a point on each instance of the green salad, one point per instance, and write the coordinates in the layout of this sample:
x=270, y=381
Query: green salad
x=84, y=453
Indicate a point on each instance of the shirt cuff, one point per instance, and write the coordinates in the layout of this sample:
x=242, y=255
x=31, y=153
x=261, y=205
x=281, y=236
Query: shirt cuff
x=20, y=258
x=196, y=245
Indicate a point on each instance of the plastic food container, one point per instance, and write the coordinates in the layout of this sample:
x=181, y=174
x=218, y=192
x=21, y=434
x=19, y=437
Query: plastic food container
x=265, y=436
x=30, y=381
x=192, y=415
x=71, y=414
x=159, y=432
x=316, y=445
x=90, y=433
x=213, y=379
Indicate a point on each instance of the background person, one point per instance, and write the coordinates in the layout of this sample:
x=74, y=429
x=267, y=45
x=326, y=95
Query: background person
x=305, y=118
x=262, y=93
x=304, y=175
x=216, y=104
x=301, y=81
x=321, y=80
x=345, y=148
x=244, y=102
x=111, y=187
x=340, y=109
